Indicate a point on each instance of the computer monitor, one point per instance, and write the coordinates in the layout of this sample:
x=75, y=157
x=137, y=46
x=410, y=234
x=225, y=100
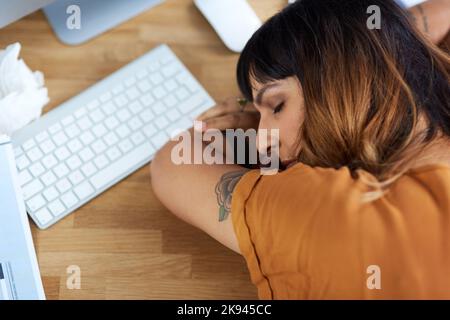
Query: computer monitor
x=93, y=17
x=11, y=11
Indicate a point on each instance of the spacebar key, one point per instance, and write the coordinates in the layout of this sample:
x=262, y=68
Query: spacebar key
x=122, y=166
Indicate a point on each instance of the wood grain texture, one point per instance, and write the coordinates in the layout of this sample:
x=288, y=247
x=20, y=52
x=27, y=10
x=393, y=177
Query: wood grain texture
x=126, y=243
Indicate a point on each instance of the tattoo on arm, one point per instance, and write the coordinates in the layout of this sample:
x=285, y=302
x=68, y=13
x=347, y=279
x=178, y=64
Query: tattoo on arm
x=224, y=192
x=424, y=18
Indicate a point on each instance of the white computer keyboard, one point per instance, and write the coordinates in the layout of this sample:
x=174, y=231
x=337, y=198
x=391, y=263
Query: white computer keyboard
x=86, y=145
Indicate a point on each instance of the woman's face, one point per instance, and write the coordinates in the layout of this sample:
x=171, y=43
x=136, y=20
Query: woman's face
x=281, y=106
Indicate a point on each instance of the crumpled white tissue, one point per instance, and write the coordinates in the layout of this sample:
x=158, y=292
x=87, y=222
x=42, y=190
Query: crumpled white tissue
x=22, y=92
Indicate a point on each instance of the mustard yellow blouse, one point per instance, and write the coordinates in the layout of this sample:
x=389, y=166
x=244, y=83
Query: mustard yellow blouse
x=305, y=234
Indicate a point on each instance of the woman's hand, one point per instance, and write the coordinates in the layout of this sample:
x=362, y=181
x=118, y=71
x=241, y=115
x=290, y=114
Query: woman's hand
x=230, y=114
x=432, y=18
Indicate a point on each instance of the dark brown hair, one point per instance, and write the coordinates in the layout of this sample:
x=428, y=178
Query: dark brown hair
x=364, y=89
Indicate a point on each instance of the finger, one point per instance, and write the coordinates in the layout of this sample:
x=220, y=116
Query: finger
x=242, y=120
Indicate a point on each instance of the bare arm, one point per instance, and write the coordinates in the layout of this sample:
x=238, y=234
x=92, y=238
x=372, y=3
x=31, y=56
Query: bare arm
x=433, y=18
x=199, y=194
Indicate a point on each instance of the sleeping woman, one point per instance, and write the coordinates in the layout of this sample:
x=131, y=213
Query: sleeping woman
x=360, y=208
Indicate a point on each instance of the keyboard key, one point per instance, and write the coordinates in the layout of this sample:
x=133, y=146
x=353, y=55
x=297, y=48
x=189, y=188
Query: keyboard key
x=56, y=207
x=51, y=194
x=63, y=185
x=69, y=199
x=170, y=85
x=147, y=116
x=85, y=123
x=121, y=100
x=60, y=138
x=62, y=153
x=34, y=154
x=48, y=178
x=149, y=130
x=61, y=170
x=32, y=188
x=84, y=190
x=159, y=108
x=123, y=115
x=137, y=138
x=123, y=131
x=170, y=101
x=24, y=177
x=147, y=99
x=182, y=94
x=187, y=80
x=35, y=203
x=99, y=130
x=47, y=146
x=173, y=115
x=72, y=131
x=49, y=161
x=43, y=216
x=22, y=162
x=113, y=153
x=144, y=86
x=88, y=169
x=74, y=162
x=111, y=122
x=156, y=78
x=135, y=124
x=86, y=154
x=109, y=108
x=76, y=177
x=161, y=122
x=87, y=138
x=37, y=169
x=132, y=93
x=170, y=70
x=74, y=145
x=159, y=92
x=97, y=116
x=125, y=145
x=135, y=107
x=101, y=161
x=123, y=166
x=111, y=139
x=99, y=146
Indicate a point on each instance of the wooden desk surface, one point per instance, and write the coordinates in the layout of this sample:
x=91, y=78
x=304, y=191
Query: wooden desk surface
x=126, y=243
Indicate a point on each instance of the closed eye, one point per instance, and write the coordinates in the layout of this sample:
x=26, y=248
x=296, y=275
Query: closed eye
x=279, y=108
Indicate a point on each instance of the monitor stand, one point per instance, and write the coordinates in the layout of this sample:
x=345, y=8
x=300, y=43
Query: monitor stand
x=77, y=21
